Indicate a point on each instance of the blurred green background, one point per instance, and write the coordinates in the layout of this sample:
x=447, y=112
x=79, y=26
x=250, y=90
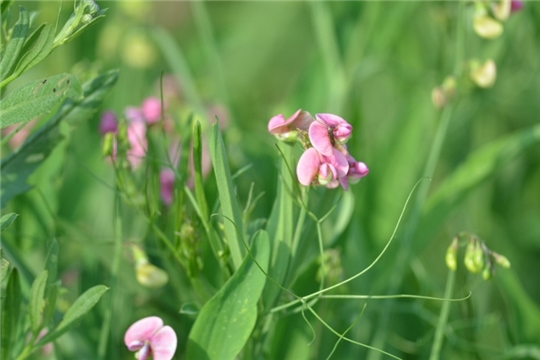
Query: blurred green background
x=374, y=64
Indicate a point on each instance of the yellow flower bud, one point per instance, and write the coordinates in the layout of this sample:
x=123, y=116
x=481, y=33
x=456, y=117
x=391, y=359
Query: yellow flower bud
x=502, y=260
x=484, y=75
x=474, y=261
x=151, y=276
x=487, y=27
x=502, y=9
x=487, y=273
x=451, y=255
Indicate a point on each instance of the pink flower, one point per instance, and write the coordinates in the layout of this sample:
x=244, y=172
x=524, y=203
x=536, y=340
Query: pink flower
x=149, y=337
x=151, y=110
x=320, y=169
x=357, y=170
x=133, y=114
x=108, y=123
x=327, y=130
x=166, y=180
x=280, y=126
x=136, y=133
x=516, y=5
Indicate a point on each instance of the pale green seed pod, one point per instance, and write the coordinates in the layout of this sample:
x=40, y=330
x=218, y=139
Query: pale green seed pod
x=478, y=257
x=108, y=144
x=151, y=276
x=502, y=260
x=487, y=274
x=471, y=260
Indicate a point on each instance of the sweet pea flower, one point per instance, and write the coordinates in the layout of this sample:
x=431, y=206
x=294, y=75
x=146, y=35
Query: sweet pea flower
x=327, y=130
x=151, y=110
x=516, y=5
x=134, y=114
x=136, y=133
x=108, y=123
x=320, y=169
x=149, y=337
x=357, y=170
x=286, y=128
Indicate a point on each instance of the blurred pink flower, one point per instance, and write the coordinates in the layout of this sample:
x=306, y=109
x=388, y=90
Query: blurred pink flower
x=301, y=120
x=516, y=5
x=133, y=114
x=136, y=133
x=166, y=181
x=151, y=110
x=149, y=337
x=319, y=132
x=357, y=170
x=318, y=169
x=108, y=123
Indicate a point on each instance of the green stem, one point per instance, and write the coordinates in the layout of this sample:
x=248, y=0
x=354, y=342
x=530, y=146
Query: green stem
x=106, y=327
x=443, y=318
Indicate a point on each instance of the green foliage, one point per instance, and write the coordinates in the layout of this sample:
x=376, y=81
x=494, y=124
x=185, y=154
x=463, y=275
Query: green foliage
x=11, y=313
x=15, y=45
x=37, y=98
x=36, y=302
x=7, y=220
x=226, y=321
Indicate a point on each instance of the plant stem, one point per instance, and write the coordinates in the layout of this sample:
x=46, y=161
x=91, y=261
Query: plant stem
x=443, y=318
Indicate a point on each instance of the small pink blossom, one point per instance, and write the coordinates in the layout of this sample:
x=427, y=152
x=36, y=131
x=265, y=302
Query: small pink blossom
x=133, y=114
x=318, y=169
x=136, y=133
x=278, y=125
x=149, y=337
x=516, y=5
x=327, y=130
x=108, y=123
x=151, y=110
x=166, y=181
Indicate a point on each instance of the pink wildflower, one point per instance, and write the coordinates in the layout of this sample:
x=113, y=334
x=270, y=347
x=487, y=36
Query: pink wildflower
x=108, y=123
x=516, y=5
x=149, y=337
x=281, y=127
x=327, y=130
x=151, y=110
x=319, y=169
x=136, y=133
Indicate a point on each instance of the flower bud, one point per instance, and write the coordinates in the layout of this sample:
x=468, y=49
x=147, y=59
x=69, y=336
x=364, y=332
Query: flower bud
x=325, y=174
x=451, y=255
x=516, y=5
x=438, y=97
x=483, y=75
x=502, y=10
x=487, y=274
x=108, y=123
x=108, y=144
x=288, y=137
x=474, y=261
x=151, y=276
x=486, y=27
x=90, y=7
x=501, y=260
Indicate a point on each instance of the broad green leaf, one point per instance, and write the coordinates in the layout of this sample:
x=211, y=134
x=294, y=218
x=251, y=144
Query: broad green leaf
x=6, y=220
x=80, y=307
x=280, y=229
x=227, y=319
x=227, y=197
x=37, y=98
x=36, y=300
x=479, y=166
x=15, y=45
x=37, y=48
x=11, y=309
x=4, y=6
x=17, y=167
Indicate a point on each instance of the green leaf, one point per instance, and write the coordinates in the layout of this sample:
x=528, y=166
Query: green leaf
x=37, y=48
x=227, y=198
x=37, y=98
x=4, y=7
x=11, y=309
x=15, y=45
x=479, y=166
x=4, y=267
x=18, y=166
x=51, y=264
x=227, y=319
x=80, y=307
x=36, y=300
x=7, y=220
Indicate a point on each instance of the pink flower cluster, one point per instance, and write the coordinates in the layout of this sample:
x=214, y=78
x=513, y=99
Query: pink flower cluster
x=326, y=160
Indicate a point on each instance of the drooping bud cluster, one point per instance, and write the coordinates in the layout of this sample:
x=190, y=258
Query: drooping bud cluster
x=326, y=160
x=477, y=256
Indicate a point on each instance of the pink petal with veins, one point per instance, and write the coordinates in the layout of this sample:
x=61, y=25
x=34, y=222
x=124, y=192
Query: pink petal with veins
x=142, y=330
x=308, y=166
x=330, y=120
x=163, y=344
x=318, y=135
x=339, y=161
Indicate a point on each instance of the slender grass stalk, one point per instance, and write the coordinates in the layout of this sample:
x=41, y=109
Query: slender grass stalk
x=443, y=318
x=118, y=239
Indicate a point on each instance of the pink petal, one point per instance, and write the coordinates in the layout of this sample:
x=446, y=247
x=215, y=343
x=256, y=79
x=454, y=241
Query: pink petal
x=318, y=135
x=151, y=110
x=133, y=114
x=333, y=184
x=136, y=133
x=163, y=344
x=330, y=120
x=302, y=120
x=143, y=330
x=339, y=161
x=342, y=132
x=166, y=181
x=344, y=183
x=278, y=125
x=308, y=166
x=108, y=123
